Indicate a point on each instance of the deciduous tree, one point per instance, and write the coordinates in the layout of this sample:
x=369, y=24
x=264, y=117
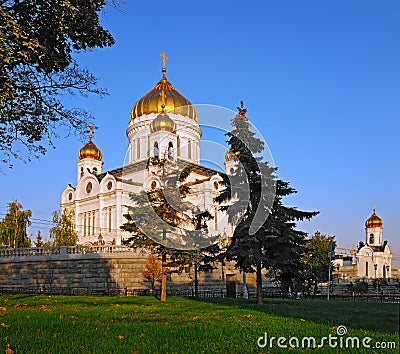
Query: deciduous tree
x=152, y=271
x=13, y=227
x=63, y=232
x=316, y=261
x=37, y=42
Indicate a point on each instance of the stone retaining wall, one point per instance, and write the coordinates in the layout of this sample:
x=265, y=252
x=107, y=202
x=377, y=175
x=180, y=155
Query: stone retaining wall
x=96, y=273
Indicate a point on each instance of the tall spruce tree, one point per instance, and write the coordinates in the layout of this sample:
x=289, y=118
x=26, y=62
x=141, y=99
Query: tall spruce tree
x=283, y=245
x=253, y=192
x=164, y=222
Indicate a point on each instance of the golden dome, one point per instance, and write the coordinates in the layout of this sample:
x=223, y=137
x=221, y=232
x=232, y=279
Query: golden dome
x=162, y=123
x=163, y=93
x=90, y=150
x=374, y=221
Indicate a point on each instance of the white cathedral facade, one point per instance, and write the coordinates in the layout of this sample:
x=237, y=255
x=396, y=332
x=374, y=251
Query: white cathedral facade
x=163, y=124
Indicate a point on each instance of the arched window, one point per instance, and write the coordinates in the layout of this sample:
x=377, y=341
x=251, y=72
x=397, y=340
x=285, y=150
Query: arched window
x=178, y=146
x=371, y=239
x=156, y=153
x=366, y=269
x=95, y=170
x=170, y=150
x=189, y=149
x=82, y=171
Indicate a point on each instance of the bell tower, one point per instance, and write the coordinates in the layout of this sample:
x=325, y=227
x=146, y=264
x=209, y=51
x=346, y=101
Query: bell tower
x=90, y=157
x=373, y=229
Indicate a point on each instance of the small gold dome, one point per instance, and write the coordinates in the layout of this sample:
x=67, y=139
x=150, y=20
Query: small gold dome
x=374, y=221
x=163, y=93
x=90, y=151
x=162, y=123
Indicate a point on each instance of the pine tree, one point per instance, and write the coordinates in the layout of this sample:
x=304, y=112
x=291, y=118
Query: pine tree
x=166, y=224
x=253, y=192
x=284, y=245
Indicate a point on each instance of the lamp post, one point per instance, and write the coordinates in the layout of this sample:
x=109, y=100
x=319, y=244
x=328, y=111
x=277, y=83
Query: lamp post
x=245, y=291
x=331, y=253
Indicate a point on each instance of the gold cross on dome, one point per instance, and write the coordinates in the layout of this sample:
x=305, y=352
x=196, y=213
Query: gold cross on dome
x=164, y=62
x=374, y=207
x=91, y=127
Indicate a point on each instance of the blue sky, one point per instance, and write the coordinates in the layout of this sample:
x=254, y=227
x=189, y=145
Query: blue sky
x=320, y=80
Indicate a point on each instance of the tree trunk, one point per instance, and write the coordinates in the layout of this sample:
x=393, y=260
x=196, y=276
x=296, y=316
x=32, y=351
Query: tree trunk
x=196, y=281
x=259, y=284
x=163, y=296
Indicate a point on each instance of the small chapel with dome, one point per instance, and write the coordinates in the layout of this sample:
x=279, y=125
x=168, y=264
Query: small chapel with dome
x=163, y=124
x=374, y=259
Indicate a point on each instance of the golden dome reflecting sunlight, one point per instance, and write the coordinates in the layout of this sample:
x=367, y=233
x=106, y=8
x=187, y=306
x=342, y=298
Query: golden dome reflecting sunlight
x=163, y=93
x=162, y=123
x=374, y=221
x=90, y=151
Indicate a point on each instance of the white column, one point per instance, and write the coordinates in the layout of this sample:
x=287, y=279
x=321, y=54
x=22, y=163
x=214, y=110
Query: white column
x=77, y=220
x=100, y=221
x=143, y=147
x=118, y=216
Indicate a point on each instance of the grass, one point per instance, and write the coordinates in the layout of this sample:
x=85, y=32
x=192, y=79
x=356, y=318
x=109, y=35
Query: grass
x=360, y=315
x=57, y=324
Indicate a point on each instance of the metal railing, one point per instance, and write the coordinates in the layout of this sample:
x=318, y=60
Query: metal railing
x=62, y=251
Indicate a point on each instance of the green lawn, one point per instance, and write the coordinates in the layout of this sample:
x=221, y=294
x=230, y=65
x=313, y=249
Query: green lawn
x=57, y=324
x=360, y=315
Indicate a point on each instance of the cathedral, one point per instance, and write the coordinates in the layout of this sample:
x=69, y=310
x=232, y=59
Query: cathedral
x=163, y=124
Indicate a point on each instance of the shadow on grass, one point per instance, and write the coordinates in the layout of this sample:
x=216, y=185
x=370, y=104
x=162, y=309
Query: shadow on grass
x=357, y=315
